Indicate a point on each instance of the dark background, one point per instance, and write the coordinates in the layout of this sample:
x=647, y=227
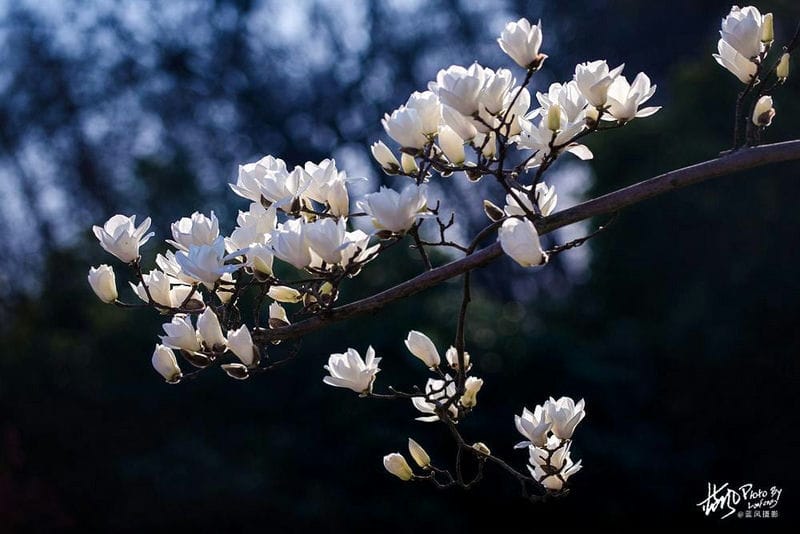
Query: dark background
x=679, y=328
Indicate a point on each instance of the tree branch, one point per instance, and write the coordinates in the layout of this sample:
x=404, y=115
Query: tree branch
x=743, y=159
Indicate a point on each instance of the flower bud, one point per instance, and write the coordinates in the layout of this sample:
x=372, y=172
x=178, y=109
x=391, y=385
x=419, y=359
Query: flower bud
x=782, y=72
x=763, y=112
x=482, y=448
x=591, y=116
x=452, y=358
x=767, y=29
x=210, y=331
x=490, y=147
x=398, y=466
x=492, y=211
x=423, y=348
x=277, y=316
x=385, y=158
x=471, y=388
x=554, y=117
x=241, y=344
x=165, y=363
x=284, y=294
x=452, y=145
x=236, y=370
x=418, y=454
x=409, y=164
x=103, y=283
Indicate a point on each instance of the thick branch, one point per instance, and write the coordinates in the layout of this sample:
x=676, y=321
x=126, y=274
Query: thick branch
x=743, y=159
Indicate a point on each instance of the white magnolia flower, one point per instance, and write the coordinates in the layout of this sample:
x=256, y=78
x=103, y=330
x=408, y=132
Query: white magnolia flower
x=397, y=465
x=471, y=388
x=327, y=239
x=419, y=454
x=165, y=363
x=226, y=283
x=439, y=391
x=552, y=467
x=121, y=237
x=546, y=197
x=624, y=99
x=427, y=105
x=568, y=97
x=423, y=348
x=593, y=79
x=742, y=30
x=534, y=426
x=461, y=125
x=736, y=63
x=520, y=240
x=278, y=313
x=404, y=125
x=253, y=226
x=206, y=263
x=168, y=263
x=357, y=249
x=290, y=245
x=540, y=136
x=393, y=211
x=103, y=282
x=195, y=230
x=460, y=88
x=348, y=370
x=210, y=331
x=284, y=294
x=267, y=178
x=163, y=290
x=327, y=185
x=259, y=258
x=521, y=41
x=180, y=334
x=496, y=87
x=763, y=112
x=241, y=344
x=452, y=358
x=409, y=164
x=565, y=415
x=385, y=158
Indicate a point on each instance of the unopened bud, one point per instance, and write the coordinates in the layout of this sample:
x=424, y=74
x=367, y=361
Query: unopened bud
x=591, y=117
x=782, y=72
x=418, y=454
x=554, y=117
x=767, y=30
x=763, y=112
x=408, y=163
x=492, y=211
x=482, y=448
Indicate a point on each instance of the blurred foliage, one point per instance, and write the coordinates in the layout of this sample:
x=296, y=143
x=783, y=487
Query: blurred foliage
x=682, y=339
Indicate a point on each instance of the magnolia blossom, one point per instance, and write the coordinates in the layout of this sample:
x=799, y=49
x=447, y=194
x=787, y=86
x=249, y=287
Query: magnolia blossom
x=739, y=65
x=546, y=198
x=267, y=178
x=397, y=465
x=534, y=426
x=428, y=109
x=165, y=290
x=520, y=240
x=284, y=294
x=241, y=344
x=439, y=391
x=195, y=230
x=404, y=125
x=121, y=237
x=393, y=211
x=206, y=263
x=594, y=78
x=782, y=70
x=471, y=388
x=253, y=226
x=452, y=358
x=461, y=125
x=385, y=158
x=452, y=145
x=552, y=466
x=290, y=245
x=349, y=370
x=521, y=41
x=259, y=258
x=420, y=456
x=624, y=99
x=763, y=112
x=327, y=185
x=326, y=239
x=459, y=87
x=356, y=248
x=565, y=415
x=103, y=283
x=423, y=348
x=166, y=364
x=278, y=313
x=742, y=30
x=210, y=331
x=496, y=86
x=180, y=334
x=567, y=96
x=552, y=130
